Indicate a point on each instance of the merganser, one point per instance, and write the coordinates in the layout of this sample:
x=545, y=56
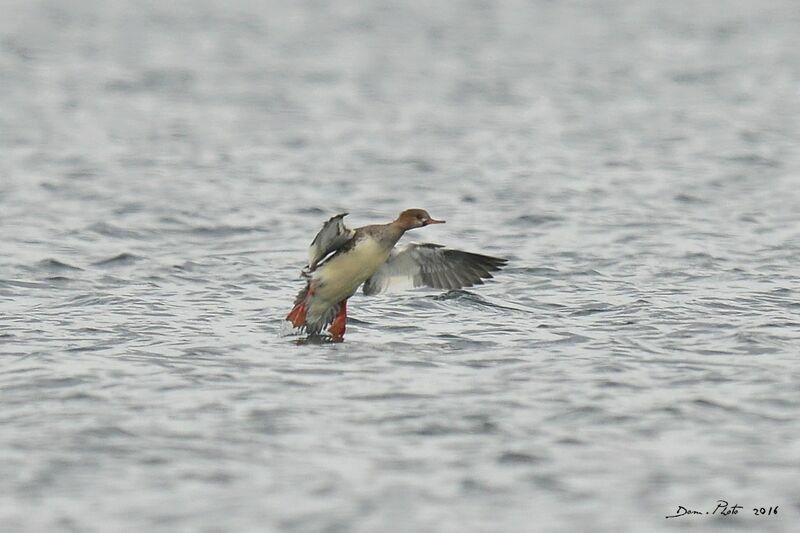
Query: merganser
x=340, y=259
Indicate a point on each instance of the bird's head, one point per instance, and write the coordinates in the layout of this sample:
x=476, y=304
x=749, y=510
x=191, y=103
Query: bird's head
x=415, y=218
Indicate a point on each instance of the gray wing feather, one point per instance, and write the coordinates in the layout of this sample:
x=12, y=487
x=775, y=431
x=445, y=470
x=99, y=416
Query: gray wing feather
x=432, y=265
x=333, y=235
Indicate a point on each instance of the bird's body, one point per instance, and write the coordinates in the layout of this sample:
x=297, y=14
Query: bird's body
x=339, y=278
x=341, y=260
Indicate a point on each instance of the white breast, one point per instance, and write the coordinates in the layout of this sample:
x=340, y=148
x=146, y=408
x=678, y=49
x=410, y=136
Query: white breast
x=340, y=277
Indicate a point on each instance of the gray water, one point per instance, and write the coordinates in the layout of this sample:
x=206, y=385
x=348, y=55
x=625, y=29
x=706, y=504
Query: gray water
x=165, y=164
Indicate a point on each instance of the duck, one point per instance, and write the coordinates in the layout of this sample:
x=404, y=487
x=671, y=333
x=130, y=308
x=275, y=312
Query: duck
x=341, y=259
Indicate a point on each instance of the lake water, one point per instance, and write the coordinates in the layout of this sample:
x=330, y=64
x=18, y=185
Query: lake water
x=165, y=164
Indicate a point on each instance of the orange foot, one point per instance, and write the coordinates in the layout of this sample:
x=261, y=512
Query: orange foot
x=339, y=323
x=297, y=316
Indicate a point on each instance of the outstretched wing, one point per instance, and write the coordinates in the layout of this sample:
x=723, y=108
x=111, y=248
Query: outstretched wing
x=333, y=235
x=432, y=265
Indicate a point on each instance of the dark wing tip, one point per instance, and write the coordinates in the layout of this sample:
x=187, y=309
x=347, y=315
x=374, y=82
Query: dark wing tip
x=333, y=218
x=461, y=269
x=486, y=262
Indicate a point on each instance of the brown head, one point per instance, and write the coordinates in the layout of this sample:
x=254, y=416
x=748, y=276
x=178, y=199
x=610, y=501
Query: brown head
x=415, y=218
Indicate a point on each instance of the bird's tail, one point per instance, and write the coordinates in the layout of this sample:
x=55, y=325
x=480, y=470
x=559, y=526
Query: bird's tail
x=320, y=318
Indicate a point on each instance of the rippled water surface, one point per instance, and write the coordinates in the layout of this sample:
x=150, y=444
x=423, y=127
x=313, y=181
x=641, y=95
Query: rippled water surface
x=164, y=166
